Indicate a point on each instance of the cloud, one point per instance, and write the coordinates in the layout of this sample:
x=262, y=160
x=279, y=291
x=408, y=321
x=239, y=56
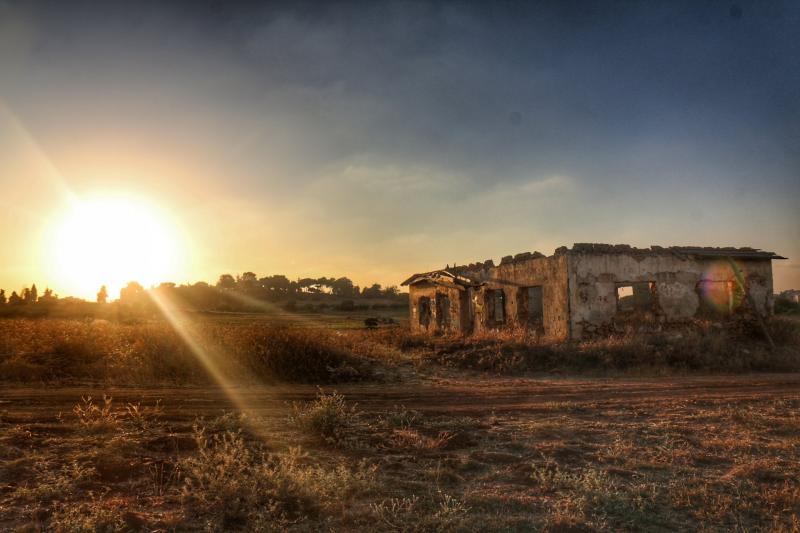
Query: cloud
x=396, y=178
x=555, y=183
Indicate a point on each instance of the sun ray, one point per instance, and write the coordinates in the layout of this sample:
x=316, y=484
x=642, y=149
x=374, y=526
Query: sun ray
x=210, y=357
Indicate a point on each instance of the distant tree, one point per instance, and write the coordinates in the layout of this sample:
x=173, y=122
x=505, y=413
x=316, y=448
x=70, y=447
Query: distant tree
x=102, y=295
x=25, y=295
x=391, y=291
x=48, y=296
x=132, y=292
x=342, y=287
x=226, y=281
x=33, y=295
x=247, y=281
x=276, y=286
x=201, y=295
x=308, y=285
x=374, y=291
x=3, y=298
x=15, y=299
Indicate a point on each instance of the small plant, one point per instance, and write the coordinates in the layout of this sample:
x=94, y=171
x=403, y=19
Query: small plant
x=328, y=417
x=400, y=417
x=94, y=417
x=162, y=476
x=396, y=512
x=144, y=418
x=451, y=511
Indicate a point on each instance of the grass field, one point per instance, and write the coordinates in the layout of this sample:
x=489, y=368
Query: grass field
x=415, y=436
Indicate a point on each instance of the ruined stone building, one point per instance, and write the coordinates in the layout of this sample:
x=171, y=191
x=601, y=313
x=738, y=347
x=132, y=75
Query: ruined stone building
x=594, y=289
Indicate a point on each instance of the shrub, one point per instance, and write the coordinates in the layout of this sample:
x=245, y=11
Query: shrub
x=229, y=486
x=298, y=355
x=96, y=418
x=328, y=417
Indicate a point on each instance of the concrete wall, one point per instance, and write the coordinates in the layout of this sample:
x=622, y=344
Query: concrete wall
x=593, y=280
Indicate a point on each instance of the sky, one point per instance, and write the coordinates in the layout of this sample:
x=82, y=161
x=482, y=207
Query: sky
x=378, y=139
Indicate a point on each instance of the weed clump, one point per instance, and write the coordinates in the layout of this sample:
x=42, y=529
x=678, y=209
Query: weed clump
x=229, y=486
x=328, y=417
x=96, y=418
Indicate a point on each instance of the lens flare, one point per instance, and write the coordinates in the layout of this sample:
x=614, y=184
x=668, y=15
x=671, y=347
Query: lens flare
x=718, y=289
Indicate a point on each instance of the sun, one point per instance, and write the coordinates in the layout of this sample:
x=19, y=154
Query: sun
x=111, y=240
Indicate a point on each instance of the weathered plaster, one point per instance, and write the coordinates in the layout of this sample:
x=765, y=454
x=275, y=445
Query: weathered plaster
x=579, y=288
x=595, y=277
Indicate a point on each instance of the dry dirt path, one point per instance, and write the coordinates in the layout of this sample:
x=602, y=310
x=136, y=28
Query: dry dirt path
x=467, y=396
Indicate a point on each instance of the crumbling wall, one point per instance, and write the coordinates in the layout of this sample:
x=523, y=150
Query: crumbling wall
x=453, y=323
x=594, y=278
x=514, y=273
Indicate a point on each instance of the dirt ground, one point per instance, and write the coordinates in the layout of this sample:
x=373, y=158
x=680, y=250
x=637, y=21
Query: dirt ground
x=439, y=453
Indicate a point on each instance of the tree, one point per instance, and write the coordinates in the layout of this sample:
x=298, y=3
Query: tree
x=247, y=281
x=276, y=285
x=132, y=292
x=226, y=281
x=48, y=296
x=372, y=292
x=33, y=295
x=2, y=297
x=391, y=291
x=14, y=299
x=102, y=296
x=342, y=287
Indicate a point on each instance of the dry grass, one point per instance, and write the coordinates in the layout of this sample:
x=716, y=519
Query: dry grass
x=55, y=350
x=717, y=463
x=702, y=348
x=443, y=450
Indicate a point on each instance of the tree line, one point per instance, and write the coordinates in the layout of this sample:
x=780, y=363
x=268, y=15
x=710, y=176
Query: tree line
x=244, y=292
x=27, y=296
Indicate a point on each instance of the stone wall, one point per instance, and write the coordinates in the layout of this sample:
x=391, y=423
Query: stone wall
x=583, y=291
x=457, y=310
x=468, y=307
x=510, y=276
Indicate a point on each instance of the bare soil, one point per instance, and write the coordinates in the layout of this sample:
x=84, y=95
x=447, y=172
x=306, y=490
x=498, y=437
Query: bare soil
x=463, y=452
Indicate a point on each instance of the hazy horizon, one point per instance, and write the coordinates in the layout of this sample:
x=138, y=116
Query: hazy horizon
x=377, y=140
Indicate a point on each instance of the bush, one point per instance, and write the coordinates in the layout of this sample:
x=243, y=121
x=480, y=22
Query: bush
x=328, y=417
x=229, y=485
x=784, y=306
x=298, y=355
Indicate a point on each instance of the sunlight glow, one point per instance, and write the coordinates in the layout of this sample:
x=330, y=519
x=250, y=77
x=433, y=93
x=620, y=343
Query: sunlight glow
x=111, y=240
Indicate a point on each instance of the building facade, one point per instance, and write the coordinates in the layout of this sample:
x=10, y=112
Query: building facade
x=593, y=289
